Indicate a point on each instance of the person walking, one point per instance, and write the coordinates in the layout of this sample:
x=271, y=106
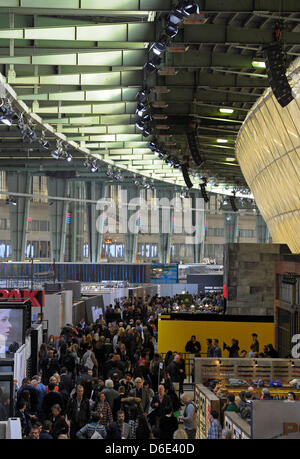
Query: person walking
x=189, y=416
x=78, y=411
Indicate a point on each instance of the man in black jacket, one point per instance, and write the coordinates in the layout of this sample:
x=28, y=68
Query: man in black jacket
x=78, y=411
x=49, y=366
x=233, y=349
x=65, y=381
x=52, y=398
x=193, y=346
x=27, y=386
x=161, y=404
x=174, y=369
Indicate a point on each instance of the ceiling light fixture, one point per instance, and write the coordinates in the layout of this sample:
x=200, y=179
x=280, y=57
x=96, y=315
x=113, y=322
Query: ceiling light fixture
x=226, y=110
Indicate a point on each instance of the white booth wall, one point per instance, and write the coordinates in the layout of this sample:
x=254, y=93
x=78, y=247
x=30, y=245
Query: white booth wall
x=58, y=310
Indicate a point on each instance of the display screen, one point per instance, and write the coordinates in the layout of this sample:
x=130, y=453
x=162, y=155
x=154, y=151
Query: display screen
x=4, y=400
x=11, y=330
x=96, y=313
x=164, y=274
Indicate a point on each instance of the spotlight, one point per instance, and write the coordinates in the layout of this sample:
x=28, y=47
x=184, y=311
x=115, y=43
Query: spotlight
x=176, y=16
x=171, y=30
x=44, y=143
x=149, y=67
x=203, y=192
x=146, y=132
x=190, y=7
x=147, y=118
x=10, y=200
x=143, y=94
x=69, y=157
x=161, y=45
x=8, y=115
x=141, y=108
x=232, y=202
x=94, y=167
x=140, y=124
x=55, y=154
x=91, y=164
x=153, y=146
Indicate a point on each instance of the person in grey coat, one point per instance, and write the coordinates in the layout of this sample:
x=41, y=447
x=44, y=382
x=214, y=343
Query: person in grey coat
x=189, y=416
x=111, y=394
x=140, y=392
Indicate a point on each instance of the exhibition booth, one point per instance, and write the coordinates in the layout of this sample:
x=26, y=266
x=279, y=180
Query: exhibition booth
x=176, y=329
x=270, y=419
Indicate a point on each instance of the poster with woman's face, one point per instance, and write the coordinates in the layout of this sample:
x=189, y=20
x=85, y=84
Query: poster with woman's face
x=11, y=330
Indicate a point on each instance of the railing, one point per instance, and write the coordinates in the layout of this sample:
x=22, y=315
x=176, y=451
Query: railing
x=189, y=369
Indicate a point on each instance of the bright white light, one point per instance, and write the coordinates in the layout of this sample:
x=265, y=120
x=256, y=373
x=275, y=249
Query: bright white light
x=222, y=140
x=259, y=64
x=230, y=159
x=6, y=121
x=226, y=110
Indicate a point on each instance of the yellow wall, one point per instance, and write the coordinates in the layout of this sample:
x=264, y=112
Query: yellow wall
x=174, y=334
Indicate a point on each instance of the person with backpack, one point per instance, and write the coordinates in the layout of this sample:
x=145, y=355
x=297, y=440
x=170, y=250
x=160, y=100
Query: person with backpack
x=89, y=360
x=94, y=430
x=189, y=416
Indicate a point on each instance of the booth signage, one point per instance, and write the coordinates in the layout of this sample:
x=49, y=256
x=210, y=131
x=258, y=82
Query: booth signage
x=36, y=297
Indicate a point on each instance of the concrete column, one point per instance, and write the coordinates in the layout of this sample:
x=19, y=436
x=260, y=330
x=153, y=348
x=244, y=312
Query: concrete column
x=231, y=220
x=198, y=222
x=131, y=234
x=94, y=192
x=19, y=182
x=77, y=221
x=58, y=187
x=166, y=214
x=262, y=232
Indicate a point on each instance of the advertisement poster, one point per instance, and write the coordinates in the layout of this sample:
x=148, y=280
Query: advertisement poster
x=11, y=330
x=164, y=274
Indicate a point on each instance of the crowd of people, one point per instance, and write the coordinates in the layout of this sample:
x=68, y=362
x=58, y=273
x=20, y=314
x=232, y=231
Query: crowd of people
x=213, y=303
x=105, y=380
x=213, y=349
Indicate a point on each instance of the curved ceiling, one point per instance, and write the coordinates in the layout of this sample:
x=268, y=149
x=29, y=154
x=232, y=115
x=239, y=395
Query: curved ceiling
x=79, y=66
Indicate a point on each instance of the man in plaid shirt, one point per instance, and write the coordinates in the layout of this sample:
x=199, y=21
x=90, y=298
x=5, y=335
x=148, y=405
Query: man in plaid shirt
x=215, y=429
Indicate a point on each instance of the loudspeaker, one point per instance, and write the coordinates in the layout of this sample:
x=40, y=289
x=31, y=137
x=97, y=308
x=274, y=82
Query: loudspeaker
x=204, y=193
x=186, y=176
x=191, y=138
x=232, y=203
x=276, y=69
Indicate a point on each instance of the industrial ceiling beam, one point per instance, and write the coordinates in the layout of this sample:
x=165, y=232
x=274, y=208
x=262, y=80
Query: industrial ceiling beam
x=145, y=32
x=134, y=7
x=122, y=80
